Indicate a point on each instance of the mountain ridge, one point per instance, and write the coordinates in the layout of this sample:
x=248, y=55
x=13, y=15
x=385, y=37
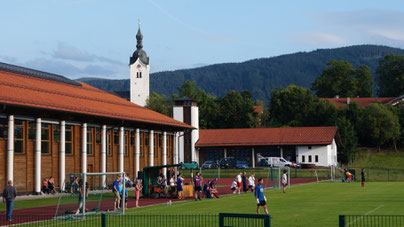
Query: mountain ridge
x=259, y=76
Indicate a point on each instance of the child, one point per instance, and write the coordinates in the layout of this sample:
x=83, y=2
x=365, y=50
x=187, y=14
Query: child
x=363, y=177
x=284, y=180
x=138, y=187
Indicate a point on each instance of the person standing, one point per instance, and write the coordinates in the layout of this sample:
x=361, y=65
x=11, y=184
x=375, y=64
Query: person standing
x=244, y=179
x=115, y=190
x=363, y=177
x=138, y=187
x=180, y=190
x=259, y=195
x=284, y=180
x=239, y=180
x=197, y=186
x=251, y=182
x=9, y=194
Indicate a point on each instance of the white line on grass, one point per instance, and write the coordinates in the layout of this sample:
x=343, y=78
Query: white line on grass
x=369, y=212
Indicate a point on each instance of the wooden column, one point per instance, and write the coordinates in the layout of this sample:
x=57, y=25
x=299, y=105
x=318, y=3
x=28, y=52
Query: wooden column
x=62, y=158
x=10, y=149
x=176, y=148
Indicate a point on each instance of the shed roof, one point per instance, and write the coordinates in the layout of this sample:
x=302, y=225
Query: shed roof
x=266, y=136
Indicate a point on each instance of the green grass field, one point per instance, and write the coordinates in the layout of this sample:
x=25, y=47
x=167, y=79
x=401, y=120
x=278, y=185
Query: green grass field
x=315, y=204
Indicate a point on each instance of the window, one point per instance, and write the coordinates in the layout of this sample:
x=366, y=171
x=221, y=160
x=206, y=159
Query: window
x=109, y=135
x=69, y=139
x=126, y=146
x=133, y=138
x=90, y=140
x=303, y=158
x=116, y=137
x=309, y=158
x=45, y=138
x=139, y=75
x=316, y=158
x=31, y=130
x=3, y=128
x=98, y=135
x=18, y=136
x=56, y=133
x=309, y=147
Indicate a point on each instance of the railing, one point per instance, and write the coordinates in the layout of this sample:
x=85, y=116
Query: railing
x=371, y=220
x=146, y=220
x=242, y=220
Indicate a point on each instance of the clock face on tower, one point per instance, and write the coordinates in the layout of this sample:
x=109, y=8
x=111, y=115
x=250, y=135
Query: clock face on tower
x=138, y=66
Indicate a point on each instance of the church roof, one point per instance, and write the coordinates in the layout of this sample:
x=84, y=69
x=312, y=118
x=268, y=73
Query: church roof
x=60, y=94
x=139, y=52
x=267, y=136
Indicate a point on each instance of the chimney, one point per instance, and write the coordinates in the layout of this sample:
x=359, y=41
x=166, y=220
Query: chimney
x=348, y=100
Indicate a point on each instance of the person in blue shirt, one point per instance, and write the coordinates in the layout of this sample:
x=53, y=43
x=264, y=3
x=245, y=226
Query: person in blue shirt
x=180, y=190
x=115, y=189
x=259, y=195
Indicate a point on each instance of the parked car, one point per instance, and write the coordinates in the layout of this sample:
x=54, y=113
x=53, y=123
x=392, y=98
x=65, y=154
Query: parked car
x=209, y=165
x=241, y=165
x=228, y=162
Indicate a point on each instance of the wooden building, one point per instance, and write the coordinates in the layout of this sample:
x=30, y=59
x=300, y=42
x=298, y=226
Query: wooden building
x=50, y=126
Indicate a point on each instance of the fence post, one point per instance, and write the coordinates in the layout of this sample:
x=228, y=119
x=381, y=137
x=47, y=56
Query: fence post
x=267, y=221
x=103, y=220
x=342, y=221
x=221, y=220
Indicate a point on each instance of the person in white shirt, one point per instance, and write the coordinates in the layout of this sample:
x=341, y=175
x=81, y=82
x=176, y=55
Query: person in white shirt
x=233, y=186
x=251, y=182
x=284, y=180
x=239, y=180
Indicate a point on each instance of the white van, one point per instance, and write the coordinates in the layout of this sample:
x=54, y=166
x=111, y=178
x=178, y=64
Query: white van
x=276, y=161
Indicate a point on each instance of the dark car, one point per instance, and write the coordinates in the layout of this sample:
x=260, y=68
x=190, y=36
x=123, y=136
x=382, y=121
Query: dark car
x=241, y=165
x=209, y=165
x=228, y=162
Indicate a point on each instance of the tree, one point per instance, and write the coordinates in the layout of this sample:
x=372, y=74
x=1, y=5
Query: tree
x=159, y=103
x=208, y=104
x=379, y=125
x=347, y=151
x=237, y=111
x=287, y=106
x=319, y=113
x=364, y=83
x=336, y=79
x=391, y=76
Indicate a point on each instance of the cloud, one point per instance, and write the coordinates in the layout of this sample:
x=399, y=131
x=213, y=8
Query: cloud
x=68, y=52
x=372, y=26
x=74, y=71
x=319, y=39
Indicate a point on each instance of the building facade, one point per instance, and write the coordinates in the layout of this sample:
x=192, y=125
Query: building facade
x=51, y=126
x=306, y=145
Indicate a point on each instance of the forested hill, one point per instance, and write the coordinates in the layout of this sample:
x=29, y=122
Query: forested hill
x=259, y=76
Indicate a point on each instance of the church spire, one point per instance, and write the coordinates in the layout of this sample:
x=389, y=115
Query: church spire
x=139, y=53
x=139, y=37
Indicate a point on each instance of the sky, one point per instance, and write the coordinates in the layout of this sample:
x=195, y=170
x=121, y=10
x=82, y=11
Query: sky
x=95, y=38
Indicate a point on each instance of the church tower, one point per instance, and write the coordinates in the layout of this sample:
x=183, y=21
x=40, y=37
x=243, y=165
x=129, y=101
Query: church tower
x=139, y=73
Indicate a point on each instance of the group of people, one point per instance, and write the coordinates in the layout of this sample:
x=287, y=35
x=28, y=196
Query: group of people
x=48, y=186
x=120, y=194
x=242, y=183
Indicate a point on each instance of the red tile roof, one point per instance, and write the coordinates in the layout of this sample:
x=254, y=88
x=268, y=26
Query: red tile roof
x=266, y=136
x=362, y=102
x=41, y=93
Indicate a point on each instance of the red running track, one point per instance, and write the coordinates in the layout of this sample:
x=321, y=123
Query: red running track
x=47, y=212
